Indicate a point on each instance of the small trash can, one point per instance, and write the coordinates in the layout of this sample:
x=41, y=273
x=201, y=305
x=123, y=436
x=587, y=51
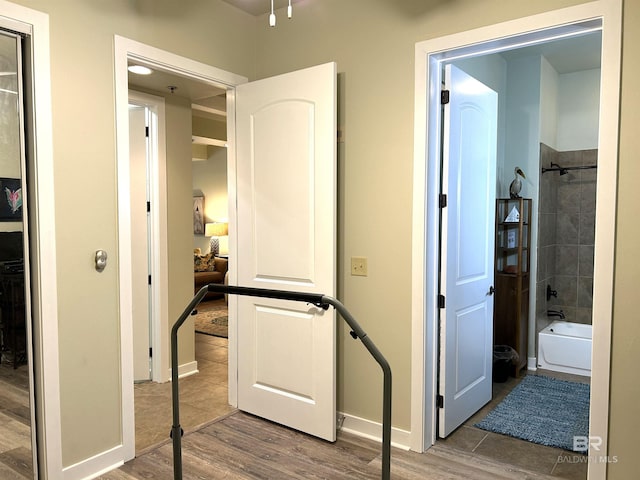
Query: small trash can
x=503, y=358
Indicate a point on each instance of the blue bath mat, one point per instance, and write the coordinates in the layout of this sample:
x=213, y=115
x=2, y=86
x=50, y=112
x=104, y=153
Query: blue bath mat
x=542, y=410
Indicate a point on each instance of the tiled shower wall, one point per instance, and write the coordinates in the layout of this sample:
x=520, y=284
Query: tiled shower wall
x=566, y=215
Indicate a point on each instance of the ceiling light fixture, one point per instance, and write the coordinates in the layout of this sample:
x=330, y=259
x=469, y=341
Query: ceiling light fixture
x=272, y=15
x=140, y=70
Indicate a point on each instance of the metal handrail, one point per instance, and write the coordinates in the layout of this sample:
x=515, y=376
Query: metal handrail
x=319, y=300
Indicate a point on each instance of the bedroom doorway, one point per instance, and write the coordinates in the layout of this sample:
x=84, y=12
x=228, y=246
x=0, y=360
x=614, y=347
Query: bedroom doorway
x=160, y=101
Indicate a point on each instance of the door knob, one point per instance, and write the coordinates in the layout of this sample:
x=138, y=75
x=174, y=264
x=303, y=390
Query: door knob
x=491, y=290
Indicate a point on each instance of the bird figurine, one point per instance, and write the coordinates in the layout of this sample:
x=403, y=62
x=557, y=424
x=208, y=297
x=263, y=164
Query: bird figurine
x=516, y=184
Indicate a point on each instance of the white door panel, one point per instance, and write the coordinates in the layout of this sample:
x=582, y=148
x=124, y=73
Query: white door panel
x=139, y=234
x=469, y=180
x=286, y=224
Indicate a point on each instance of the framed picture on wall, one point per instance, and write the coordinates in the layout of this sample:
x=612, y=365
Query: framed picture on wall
x=10, y=200
x=198, y=215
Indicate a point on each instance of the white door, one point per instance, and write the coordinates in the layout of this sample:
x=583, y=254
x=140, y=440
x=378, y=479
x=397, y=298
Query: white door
x=286, y=227
x=139, y=234
x=469, y=181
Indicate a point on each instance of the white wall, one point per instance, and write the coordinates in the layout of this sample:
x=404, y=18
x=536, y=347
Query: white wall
x=522, y=149
x=578, y=110
x=523, y=124
x=549, y=80
x=210, y=178
x=492, y=71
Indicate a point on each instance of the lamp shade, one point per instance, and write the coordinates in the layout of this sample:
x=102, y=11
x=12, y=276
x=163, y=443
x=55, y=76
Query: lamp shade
x=216, y=229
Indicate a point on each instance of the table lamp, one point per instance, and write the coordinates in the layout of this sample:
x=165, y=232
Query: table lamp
x=215, y=230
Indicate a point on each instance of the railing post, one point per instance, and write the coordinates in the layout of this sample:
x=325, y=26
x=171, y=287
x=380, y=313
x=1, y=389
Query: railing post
x=176, y=430
x=322, y=301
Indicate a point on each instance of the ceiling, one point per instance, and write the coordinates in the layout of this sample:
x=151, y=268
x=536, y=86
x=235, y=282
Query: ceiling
x=259, y=7
x=198, y=92
x=567, y=55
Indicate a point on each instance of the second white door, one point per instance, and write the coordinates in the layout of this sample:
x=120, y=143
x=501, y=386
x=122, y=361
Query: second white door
x=286, y=231
x=467, y=248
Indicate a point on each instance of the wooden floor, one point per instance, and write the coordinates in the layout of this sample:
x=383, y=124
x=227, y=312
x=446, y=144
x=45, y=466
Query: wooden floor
x=241, y=446
x=15, y=431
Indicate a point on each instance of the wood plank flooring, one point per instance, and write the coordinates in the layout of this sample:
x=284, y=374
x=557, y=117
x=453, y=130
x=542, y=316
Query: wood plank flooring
x=241, y=446
x=15, y=430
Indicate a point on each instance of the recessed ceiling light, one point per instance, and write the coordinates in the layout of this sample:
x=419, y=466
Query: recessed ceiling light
x=140, y=70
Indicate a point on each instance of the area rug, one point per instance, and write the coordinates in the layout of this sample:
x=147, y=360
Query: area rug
x=212, y=319
x=543, y=410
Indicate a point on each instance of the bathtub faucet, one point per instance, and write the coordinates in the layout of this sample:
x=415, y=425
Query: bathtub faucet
x=555, y=313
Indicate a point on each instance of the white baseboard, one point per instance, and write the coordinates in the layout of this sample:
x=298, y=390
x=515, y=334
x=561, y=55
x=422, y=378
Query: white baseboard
x=95, y=466
x=532, y=364
x=186, y=369
x=373, y=431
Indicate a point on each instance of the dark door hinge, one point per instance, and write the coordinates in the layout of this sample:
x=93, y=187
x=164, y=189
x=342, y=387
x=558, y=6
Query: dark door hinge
x=439, y=401
x=440, y=301
x=444, y=97
x=442, y=200
x=146, y=131
x=149, y=279
x=150, y=352
x=148, y=207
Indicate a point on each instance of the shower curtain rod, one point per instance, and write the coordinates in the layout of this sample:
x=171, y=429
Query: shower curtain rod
x=564, y=170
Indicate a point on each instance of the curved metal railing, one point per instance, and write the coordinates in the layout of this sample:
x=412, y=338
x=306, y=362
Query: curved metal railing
x=319, y=300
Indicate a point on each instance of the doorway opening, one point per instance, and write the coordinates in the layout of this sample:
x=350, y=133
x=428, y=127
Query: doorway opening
x=182, y=84
x=171, y=146
x=543, y=80
x=430, y=56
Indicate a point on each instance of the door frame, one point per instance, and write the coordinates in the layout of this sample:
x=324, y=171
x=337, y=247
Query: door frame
x=125, y=49
x=45, y=372
x=428, y=57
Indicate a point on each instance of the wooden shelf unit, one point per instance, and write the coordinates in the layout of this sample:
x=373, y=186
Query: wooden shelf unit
x=512, y=267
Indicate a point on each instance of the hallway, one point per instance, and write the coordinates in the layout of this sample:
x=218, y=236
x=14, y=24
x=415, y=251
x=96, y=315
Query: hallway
x=203, y=396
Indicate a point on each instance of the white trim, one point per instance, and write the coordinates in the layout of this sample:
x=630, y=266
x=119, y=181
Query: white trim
x=214, y=142
x=125, y=48
x=424, y=242
x=232, y=199
x=185, y=370
x=158, y=249
x=44, y=279
x=94, y=466
x=364, y=428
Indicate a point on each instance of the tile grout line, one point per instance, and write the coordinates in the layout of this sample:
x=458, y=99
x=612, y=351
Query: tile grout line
x=473, y=450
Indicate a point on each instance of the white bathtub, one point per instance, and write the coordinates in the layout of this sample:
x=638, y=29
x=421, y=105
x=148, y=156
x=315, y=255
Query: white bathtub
x=565, y=347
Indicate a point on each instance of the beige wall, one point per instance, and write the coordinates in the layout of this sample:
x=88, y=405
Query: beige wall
x=373, y=43
x=179, y=220
x=81, y=35
x=376, y=112
x=210, y=178
x=376, y=67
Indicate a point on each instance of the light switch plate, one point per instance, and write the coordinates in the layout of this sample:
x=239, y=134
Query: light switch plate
x=359, y=266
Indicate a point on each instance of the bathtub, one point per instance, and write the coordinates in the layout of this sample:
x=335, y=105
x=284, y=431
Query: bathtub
x=565, y=347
